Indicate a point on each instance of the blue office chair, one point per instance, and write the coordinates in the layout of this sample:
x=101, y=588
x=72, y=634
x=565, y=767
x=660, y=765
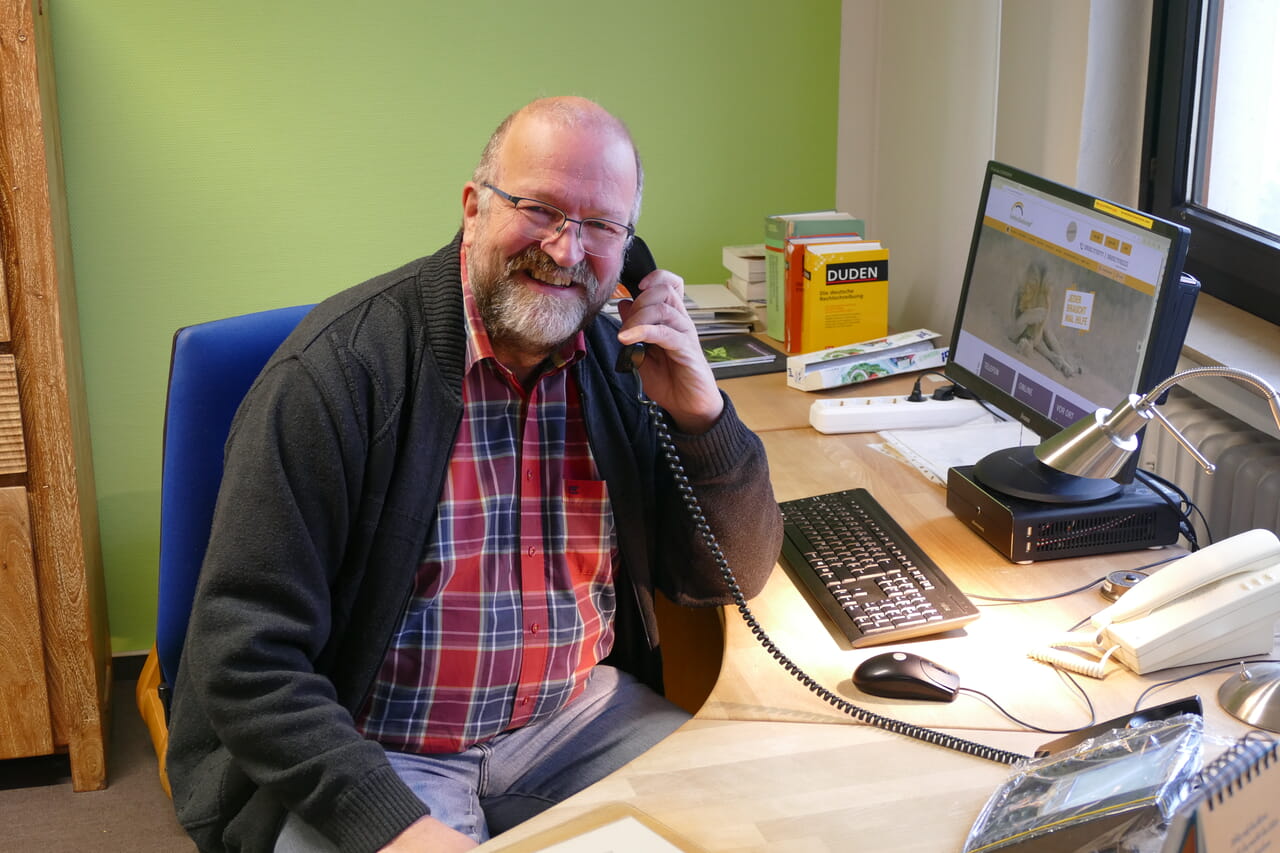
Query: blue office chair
x=212, y=366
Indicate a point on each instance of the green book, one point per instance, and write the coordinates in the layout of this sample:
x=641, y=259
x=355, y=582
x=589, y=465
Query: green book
x=781, y=227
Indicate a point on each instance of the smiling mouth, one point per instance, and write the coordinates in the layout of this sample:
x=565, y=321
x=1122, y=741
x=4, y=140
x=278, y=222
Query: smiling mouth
x=550, y=279
x=541, y=269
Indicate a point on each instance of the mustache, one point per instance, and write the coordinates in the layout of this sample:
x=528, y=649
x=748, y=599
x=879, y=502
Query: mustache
x=538, y=263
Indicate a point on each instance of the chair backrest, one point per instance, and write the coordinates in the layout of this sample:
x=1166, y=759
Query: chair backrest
x=212, y=366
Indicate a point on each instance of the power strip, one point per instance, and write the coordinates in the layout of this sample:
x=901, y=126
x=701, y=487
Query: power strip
x=872, y=414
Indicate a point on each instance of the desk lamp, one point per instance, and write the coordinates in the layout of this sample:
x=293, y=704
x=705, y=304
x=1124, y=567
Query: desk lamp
x=1096, y=447
x=1076, y=464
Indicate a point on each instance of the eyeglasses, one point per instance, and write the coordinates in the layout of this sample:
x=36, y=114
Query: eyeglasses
x=600, y=237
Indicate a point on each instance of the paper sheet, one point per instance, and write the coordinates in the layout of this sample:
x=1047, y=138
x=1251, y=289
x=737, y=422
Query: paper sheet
x=933, y=451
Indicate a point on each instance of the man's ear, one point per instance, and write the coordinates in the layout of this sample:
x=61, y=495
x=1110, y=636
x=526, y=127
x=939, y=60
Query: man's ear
x=470, y=211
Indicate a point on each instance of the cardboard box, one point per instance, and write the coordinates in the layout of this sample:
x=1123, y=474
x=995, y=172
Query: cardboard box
x=848, y=365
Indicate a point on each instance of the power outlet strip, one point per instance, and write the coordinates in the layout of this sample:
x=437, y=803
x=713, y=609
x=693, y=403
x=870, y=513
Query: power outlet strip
x=872, y=414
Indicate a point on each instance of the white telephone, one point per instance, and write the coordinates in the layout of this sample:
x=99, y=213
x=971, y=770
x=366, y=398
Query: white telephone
x=1218, y=603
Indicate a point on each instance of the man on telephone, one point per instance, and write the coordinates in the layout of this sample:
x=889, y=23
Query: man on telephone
x=427, y=607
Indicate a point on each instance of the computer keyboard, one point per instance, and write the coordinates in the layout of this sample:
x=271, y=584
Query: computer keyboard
x=872, y=580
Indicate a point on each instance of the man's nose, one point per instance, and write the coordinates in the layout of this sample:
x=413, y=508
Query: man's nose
x=565, y=246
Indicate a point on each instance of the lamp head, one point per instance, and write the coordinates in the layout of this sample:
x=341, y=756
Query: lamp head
x=1098, y=445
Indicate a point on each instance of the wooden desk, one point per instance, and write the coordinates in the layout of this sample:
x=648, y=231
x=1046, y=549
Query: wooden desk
x=793, y=788
x=767, y=766
x=989, y=655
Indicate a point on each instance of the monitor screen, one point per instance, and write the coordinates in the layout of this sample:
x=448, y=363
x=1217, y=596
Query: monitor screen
x=1069, y=302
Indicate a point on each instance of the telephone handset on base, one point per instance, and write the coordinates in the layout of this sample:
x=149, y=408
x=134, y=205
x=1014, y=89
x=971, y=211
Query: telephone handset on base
x=637, y=264
x=1219, y=603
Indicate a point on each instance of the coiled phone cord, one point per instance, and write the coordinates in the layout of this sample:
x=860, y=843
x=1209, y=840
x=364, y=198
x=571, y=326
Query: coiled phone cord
x=858, y=713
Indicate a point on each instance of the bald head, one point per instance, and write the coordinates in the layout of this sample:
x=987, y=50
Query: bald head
x=566, y=113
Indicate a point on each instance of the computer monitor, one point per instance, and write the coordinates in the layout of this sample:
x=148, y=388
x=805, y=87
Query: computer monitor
x=1069, y=304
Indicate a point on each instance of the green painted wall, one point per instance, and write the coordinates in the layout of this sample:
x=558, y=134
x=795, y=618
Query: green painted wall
x=224, y=157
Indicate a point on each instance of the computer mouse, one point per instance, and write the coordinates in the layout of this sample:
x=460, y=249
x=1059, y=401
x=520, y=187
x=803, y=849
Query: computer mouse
x=902, y=675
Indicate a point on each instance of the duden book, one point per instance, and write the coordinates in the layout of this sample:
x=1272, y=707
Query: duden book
x=778, y=229
x=794, y=283
x=846, y=294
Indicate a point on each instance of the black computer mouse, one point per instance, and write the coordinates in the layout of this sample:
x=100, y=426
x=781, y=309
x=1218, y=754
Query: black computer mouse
x=902, y=675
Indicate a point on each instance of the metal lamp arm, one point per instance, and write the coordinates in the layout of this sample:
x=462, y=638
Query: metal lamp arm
x=1147, y=406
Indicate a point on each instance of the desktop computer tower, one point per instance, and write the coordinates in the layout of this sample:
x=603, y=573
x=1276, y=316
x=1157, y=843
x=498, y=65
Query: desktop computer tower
x=1029, y=531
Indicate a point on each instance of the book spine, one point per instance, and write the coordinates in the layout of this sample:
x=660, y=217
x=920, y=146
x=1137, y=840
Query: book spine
x=746, y=262
x=775, y=238
x=793, y=278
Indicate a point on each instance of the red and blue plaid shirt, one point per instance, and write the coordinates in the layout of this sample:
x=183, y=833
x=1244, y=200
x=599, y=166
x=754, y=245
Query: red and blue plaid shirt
x=513, y=602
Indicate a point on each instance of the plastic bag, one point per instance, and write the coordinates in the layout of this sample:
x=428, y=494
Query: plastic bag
x=1113, y=792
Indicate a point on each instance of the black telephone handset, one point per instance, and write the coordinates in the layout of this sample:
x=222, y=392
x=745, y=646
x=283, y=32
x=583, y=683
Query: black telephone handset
x=637, y=264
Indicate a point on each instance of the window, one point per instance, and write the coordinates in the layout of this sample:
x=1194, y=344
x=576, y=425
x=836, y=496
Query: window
x=1212, y=142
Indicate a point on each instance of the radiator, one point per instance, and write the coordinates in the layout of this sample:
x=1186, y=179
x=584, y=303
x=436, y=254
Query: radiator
x=1244, y=491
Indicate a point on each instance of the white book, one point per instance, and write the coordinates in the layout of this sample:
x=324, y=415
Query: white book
x=746, y=262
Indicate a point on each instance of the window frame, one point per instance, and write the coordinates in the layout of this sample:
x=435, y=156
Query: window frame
x=1233, y=261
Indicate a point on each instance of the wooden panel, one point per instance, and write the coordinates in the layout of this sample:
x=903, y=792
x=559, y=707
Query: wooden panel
x=42, y=314
x=4, y=298
x=24, y=700
x=13, y=452
x=692, y=645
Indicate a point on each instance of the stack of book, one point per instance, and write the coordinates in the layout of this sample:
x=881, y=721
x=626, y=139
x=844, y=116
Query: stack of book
x=746, y=268
x=725, y=324
x=717, y=310
x=714, y=309
x=826, y=284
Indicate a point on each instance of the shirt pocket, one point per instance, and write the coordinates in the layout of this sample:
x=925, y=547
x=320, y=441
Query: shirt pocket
x=589, y=537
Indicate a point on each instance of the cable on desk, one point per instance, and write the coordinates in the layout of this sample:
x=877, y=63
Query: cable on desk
x=861, y=714
x=1066, y=676
x=996, y=600
x=1184, y=506
x=946, y=392
x=942, y=392
x=1137, y=704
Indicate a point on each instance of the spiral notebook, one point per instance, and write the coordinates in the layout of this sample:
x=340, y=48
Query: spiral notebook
x=1234, y=804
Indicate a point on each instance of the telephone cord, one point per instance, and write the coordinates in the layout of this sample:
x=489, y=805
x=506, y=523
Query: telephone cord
x=900, y=727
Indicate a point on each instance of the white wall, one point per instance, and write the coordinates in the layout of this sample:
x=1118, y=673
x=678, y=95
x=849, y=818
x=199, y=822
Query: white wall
x=1041, y=86
x=917, y=126
x=932, y=89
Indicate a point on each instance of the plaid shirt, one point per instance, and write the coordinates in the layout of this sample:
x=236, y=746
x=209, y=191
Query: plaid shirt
x=513, y=602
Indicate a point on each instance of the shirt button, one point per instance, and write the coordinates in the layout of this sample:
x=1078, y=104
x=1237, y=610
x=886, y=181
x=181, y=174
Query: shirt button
x=528, y=473
x=534, y=628
x=532, y=550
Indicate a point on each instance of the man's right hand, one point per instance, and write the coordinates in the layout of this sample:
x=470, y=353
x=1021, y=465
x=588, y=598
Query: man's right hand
x=429, y=834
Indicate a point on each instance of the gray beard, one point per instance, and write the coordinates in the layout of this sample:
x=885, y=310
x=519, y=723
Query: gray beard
x=523, y=319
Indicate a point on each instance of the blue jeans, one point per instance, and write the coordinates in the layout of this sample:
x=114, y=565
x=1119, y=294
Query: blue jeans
x=495, y=785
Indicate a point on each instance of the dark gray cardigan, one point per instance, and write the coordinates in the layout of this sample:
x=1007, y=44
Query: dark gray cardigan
x=333, y=469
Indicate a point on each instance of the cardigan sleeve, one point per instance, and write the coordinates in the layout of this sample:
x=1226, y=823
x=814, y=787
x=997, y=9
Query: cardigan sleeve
x=729, y=475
